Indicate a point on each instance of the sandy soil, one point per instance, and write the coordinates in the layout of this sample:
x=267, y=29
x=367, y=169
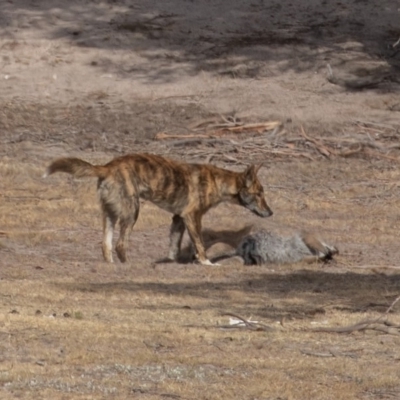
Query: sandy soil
x=99, y=79
x=137, y=67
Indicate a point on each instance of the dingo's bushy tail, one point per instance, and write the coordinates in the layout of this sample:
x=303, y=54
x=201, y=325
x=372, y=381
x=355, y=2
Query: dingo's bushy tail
x=77, y=168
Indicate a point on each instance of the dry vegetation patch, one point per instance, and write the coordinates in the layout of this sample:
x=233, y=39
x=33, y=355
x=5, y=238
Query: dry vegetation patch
x=75, y=326
x=159, y=335
x=226, y=82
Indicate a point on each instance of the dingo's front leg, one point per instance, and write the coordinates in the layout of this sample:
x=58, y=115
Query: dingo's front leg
x=193, y=225
x=175, y=237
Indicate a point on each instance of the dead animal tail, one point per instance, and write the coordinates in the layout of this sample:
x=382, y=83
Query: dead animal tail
x=318, y=247
x=76, y=167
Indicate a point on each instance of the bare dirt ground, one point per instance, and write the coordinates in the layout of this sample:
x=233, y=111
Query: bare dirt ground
x=102, y=78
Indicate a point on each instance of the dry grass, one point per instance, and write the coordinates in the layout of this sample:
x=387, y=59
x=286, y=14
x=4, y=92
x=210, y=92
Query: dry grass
x=75, y=327
x=78, y=80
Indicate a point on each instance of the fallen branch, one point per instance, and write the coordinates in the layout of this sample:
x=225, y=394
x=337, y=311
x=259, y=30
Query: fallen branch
x=391, y=307
x=222, y=144
x=254, y=326
x=257, y=127
x=373, y=324
x=319, y=146
x=163, y=136
x=360, y=326
x=224, y=129
x=380, y=125
x=349, y=153
x=376, y=324
x=232, y=159
x=331, y=353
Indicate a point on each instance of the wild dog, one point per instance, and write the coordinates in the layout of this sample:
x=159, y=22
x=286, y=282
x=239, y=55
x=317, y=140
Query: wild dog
x=264, y=247
x=187, y=191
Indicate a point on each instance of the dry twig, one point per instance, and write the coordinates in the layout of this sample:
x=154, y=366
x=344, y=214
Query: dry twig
x=319, y=146
x=258, y=127
x=373, y=324
x=163, y=136
x=254, y=326
x=376, y=324
x=330, y=353
x=219, y=141
x=223, y=129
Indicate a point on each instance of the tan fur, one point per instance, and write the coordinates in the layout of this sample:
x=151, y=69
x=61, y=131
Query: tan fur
x=319, y=249
x=265, y=247
x=213, y=239
x=188, y=191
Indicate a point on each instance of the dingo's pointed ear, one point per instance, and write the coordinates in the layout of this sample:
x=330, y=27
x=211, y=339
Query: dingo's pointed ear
x=258, y=167
x=253, y=169
x=249, y=170
x=250, y=175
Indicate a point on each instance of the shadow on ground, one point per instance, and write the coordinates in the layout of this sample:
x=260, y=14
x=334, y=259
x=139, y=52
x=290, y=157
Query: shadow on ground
x=232, y=38
x=306, y=292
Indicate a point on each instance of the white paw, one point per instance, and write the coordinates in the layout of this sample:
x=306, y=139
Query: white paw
x=208, y=262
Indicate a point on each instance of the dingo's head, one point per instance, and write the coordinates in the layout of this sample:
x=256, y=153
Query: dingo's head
x=251, y=195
